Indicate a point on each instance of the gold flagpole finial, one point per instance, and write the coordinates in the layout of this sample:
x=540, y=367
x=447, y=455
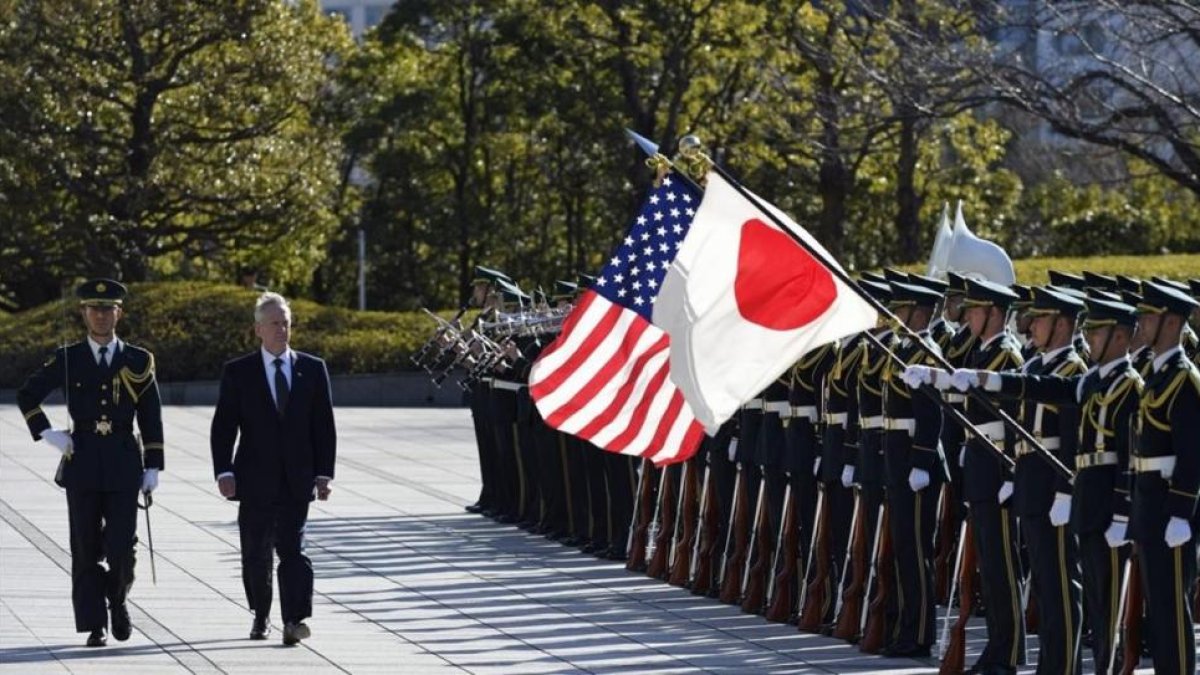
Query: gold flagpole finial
x=692, y=158
x=661, y=167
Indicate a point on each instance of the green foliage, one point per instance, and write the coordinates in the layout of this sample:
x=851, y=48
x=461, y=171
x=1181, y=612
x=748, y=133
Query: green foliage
x=166, y=139
x=194, y=327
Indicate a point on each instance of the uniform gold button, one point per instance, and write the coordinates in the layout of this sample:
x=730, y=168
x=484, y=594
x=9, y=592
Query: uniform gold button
x=104, y=386
x=103, y=402
x=104, y=417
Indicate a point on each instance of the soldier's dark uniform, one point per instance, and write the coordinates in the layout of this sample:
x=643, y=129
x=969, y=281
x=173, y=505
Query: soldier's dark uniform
x=912, y=423
x=992, y=521
x=956, y=350
x=1107, y=397
x=839, y=448
x=1053, y=555
x=103, y=475
x=479, y=400
x=869, y=463
x=802, y=429
x=1166, y=482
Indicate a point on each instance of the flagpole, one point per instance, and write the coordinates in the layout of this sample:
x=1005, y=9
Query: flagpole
x=690, y=149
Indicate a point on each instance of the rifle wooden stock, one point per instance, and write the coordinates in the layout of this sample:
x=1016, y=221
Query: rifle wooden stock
x=642, y=514
x=874, y=637
x=687, y=526
x=954, y=659
x=781, y=593
x=738, y=547
x=945, y=547
x=815, y=591
x=1031, y=609
x=657, y=566
x=754, y=586
x=708, y=530
x=1131, y=621
x=847, y=623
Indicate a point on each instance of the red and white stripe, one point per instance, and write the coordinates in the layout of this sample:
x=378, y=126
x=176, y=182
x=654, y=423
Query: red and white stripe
x=606, y=380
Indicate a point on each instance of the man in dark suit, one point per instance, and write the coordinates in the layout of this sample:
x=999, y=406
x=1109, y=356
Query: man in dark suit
x=278, y=401
x=109, y=383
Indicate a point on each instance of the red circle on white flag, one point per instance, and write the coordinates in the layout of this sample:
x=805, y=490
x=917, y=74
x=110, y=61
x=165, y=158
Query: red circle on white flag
x=779, y=285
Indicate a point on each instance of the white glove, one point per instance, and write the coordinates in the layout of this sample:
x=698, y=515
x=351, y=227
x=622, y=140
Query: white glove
x=1060, y=510
x=149, y=480
x=1115, y=534
x=847, y=476
x=59, y=438
x=964, y=378
x=1005, y=491
x=732, y=449
x=918, y=479
x=915, y=376
x=817, y=466
x=1179, y=531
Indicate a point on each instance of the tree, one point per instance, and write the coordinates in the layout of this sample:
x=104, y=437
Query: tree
x=165, y=139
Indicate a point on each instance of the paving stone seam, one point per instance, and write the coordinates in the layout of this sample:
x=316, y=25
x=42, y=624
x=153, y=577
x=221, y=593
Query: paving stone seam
x=45, y=647
x=61, y=558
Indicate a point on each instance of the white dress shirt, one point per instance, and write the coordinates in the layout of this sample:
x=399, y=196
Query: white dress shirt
x=113, y=345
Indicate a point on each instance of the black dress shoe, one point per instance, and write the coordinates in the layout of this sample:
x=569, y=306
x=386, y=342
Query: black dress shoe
x=473, y=508
x=121, y=627
x=570, y=541
x=260, y=629
x=96, y=638
x=616, y=553
x=906, y=651
x=293, y=633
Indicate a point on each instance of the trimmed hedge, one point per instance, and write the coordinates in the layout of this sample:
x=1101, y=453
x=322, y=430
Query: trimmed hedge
x=194, y=327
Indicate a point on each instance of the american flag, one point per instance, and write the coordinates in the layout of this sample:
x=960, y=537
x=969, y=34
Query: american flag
x=606, y=377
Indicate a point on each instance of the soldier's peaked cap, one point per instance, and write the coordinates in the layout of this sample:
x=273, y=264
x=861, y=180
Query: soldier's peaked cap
x=101, y=293
x=1159, y=299
x=1047, y=301
x=489, y=275
x=912, y=294
x=982, y=293
x=1067, y=279
x=1101, y=312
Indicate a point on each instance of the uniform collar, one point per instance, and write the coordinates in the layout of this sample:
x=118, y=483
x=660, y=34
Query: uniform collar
x=992, y=340
x=114, y=347
x=1118, y=362
x=1049, y=356
x=1161, y=359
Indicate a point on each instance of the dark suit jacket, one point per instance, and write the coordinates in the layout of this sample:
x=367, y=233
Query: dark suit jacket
x=274, y=450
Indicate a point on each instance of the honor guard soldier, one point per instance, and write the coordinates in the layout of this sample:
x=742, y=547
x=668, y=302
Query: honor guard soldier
x=1166, y=480
x=987, y=484
x=484, y=296
x=107, y=384
x=1042, y=497
x=914, y=473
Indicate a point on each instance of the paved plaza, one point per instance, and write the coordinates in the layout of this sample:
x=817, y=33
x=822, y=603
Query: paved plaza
x=406, y=581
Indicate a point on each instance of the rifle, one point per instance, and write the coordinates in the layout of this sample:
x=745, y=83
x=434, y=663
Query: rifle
x=1127, y=623
x=737, y=545
x=945, y=546
x=1031, y=608
x=814, y=592
x=954, y=655
x=686, y=526
x=639, y=526
x=755, y=580
x=664, y=518
x=781, y=589
x=707, y=529
x=875, y=621
x=849, y=614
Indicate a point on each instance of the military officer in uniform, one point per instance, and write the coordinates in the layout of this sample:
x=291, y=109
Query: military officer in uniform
x=1166, y=480
x=108, y=383
x=987, y=483
x=914, y=473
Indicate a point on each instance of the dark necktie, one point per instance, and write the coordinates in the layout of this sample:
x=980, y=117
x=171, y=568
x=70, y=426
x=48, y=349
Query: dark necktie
x=104, y=356
x=281, y=387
